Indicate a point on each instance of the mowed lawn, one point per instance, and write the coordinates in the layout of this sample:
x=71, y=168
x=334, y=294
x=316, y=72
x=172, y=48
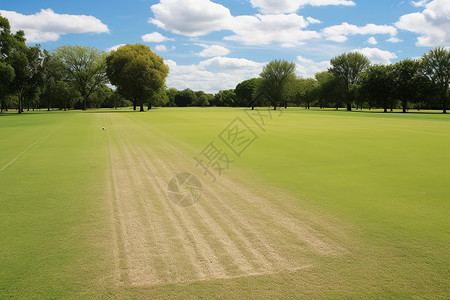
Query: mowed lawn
x=381, y=181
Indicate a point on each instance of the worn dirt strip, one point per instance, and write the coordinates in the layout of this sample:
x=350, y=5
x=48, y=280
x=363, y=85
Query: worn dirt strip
x=231, y=231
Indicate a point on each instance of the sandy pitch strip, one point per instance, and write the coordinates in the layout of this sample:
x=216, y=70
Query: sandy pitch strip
x=230, y=232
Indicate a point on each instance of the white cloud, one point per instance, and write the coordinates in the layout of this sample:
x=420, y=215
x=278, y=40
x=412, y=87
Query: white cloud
x=372, y=40
x=420, y=3
x=339, y=33
x=432, y=25
x=154, y=37
x=47, y=25
x=307, y=68
x=195, y=18
x=377, y=56
x=161, y=48
x=212, y=75
x=115, y=47
x=191, y=17
x=289, y=6
x=394, y=40
x=214, y=50
x=266, y=29
x=236, y=64
x=313, y=21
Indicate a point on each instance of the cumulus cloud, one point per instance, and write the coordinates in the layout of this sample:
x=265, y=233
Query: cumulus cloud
x=289, y=6
x=161, y=48
x=266, y=29
x=377, y=56
x=47, y=25
x=115, y=47
x=432, y=24
x=394, y=40
x=339, y=33
x=199, y=17
x=236, y=64
x=372, y=40
x=154, y=37
x=307, y=68
x=191, y=17
x=213, y=74
x=420, y=3
x=214, y=50
x=313, y=21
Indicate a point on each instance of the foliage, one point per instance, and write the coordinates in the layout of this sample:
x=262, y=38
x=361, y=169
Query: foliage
x=436, y=66
x=406, y=78
x=185, y=98
x=84, y=69
x=303, y=91
x=275, y=78
x=346, y=68
x=137, y=72
x=225, y=98
x=245, y=91
x=377, y=83
x=328, y=91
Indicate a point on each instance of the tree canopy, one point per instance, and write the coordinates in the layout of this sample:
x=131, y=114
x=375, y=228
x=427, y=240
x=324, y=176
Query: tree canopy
x=347, y=68
x=436, y=65
x=84, y=68
x=137, y=72
x=275, y=78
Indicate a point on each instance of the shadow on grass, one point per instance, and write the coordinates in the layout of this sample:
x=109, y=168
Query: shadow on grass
x=422, y=112
x=89, y=111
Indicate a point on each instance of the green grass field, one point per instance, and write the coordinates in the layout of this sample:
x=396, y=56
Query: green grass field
x=322, y=204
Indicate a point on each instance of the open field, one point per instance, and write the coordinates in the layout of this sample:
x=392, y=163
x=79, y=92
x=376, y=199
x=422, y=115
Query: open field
x=320, y=204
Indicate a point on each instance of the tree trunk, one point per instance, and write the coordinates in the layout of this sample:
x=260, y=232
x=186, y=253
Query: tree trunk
x=253, y=108
x=349, y=106
x=141, y=102
x=444, y=104
x=134, y=105
x=20, y=104
x=404, y=106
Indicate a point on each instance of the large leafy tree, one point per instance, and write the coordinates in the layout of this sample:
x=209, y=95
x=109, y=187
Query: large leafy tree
x=275, y=78
x=185, y=98
x=53, y=75
x=245, y=91
x=378, y=85
x=436, y=65
x=137, y=72
x=347, y=68
x=34, y=80
x=14, y=69
x=407, y=79
x=159, y=98
x=303, y=91
x=84, y=69
x=225, y=98
x=27, y=64
x=7, y=72
x=328, y=91
x=7, y=75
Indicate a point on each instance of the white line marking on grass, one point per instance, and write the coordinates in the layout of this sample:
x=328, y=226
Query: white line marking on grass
x=20, y=154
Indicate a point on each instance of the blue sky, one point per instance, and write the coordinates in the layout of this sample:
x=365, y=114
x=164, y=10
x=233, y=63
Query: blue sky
x=214, y=44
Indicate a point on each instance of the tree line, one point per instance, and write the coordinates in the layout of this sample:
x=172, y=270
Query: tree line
x=350, y=82
x=77, y=77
